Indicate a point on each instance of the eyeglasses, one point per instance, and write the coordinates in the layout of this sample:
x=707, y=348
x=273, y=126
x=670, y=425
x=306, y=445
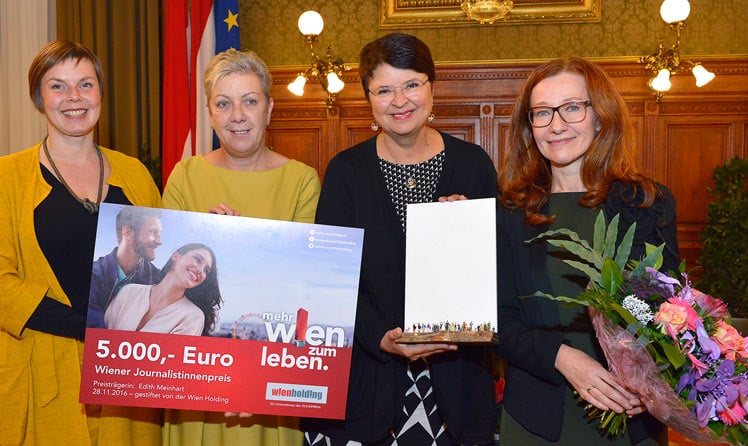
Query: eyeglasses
x=571, y=112
x=409, y=89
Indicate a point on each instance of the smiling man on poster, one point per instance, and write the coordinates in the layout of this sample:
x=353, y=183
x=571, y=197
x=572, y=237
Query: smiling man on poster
x=138, y=236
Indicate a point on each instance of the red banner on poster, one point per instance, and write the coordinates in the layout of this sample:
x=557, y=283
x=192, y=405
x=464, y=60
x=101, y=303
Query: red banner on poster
x=206, y=373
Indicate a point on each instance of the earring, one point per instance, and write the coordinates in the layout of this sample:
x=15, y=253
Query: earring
x=374, y=126
x=431, y=118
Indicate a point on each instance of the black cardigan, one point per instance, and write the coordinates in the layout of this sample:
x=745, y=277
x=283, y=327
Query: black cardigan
x=534, y=392
x=354, y=194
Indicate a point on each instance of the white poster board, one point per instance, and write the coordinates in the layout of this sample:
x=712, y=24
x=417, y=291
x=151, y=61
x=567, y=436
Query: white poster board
x=450, y=272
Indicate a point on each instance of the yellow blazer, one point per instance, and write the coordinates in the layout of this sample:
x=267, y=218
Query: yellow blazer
x=39, y=372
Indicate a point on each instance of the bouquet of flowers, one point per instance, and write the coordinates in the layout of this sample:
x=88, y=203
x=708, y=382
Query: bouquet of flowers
x=664, y=340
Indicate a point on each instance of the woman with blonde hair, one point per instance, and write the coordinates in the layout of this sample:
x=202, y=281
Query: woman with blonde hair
x=242, y=177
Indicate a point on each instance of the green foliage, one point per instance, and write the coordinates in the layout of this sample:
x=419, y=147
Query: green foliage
x=724, y=257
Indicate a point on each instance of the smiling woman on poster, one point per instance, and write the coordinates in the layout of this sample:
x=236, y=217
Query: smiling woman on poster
x=185, y=301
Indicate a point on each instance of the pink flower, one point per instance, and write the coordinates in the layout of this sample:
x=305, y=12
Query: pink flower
x=699, y=367
x=729, y=340
x=731, y=415
x=712, y=307
x=675, y=316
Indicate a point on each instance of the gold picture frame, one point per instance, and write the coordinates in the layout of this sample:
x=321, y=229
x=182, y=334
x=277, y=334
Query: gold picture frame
x=438, y=13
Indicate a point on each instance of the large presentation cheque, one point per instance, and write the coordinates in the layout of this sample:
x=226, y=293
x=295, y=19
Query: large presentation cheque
x=230, y=314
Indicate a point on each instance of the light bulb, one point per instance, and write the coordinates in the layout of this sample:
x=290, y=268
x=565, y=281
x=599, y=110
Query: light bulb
x=673, y=11
x=334, y=83
x=297, y=86
x=661, y=82
x=702, y=75
x=311, y=23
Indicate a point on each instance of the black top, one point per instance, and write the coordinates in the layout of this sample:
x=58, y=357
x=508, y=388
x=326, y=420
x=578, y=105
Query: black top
x=66, y=234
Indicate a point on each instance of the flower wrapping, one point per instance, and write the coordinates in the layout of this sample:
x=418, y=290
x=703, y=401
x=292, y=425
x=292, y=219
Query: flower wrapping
x=629, y=360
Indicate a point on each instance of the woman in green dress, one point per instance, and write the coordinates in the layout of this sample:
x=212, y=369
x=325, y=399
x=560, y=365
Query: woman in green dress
x=571, y=154
x=242, y=177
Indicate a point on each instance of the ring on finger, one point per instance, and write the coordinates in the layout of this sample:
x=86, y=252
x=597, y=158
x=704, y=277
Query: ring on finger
x=590, y=387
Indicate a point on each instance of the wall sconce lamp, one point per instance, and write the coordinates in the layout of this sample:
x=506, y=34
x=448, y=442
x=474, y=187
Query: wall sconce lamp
x=665, y=62
x=329, y=72
x=487, y=11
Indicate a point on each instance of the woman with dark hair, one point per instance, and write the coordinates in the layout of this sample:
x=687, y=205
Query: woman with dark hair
x=49, y=202
x=571, y=154
x=403, y=394
x=185, y=301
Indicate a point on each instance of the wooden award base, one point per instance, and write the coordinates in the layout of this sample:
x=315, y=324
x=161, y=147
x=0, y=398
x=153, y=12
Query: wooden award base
x=451, y=337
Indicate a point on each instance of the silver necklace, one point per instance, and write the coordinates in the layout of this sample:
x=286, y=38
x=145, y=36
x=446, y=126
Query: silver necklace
x=90, y=206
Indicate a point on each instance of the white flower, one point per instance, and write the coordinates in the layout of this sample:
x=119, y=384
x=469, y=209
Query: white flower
x=638, y=308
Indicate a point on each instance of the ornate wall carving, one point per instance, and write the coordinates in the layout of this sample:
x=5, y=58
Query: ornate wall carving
x=437, y=13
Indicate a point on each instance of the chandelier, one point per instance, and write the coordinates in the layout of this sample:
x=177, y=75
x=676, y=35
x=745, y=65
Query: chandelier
x=666, y=61
x=327, y=71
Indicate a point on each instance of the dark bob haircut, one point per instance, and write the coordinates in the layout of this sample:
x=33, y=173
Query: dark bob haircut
x=398, y=50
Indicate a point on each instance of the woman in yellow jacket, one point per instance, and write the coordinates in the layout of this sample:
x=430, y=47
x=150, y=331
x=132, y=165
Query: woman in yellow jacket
x=49, y=198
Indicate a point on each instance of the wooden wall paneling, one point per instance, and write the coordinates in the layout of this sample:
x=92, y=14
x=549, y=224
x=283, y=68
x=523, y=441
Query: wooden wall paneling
x=355, y=125
x=643, y=150
x=300, y=140
x=332, y=144
x=502, y=121
x=354, y=132
x=489, y=133
x=691, y=146
x=640, y=117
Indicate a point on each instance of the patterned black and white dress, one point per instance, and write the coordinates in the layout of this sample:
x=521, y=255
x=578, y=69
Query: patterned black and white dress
x=420, y=423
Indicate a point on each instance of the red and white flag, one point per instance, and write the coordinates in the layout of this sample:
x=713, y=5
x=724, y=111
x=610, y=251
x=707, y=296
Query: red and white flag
x=195, y=30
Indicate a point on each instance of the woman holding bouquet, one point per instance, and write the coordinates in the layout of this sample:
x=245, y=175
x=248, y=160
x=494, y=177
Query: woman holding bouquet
x=571, y=154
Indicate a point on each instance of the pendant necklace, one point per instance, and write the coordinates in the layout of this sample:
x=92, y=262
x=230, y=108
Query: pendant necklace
x=90, y=206
x=410, y=181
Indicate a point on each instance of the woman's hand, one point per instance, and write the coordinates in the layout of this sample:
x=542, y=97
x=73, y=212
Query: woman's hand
x=223, y=209
x=410, y=351
x=453, y=197
x=594, y=383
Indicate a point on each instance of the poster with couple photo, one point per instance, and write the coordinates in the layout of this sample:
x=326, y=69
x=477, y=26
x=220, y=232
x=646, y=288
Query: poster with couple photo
x=221, y=313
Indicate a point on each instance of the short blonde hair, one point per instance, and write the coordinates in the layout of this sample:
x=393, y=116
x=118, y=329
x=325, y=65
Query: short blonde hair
x=232, y=61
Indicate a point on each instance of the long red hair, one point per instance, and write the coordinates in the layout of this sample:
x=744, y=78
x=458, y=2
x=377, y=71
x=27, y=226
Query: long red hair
x=525, y=175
